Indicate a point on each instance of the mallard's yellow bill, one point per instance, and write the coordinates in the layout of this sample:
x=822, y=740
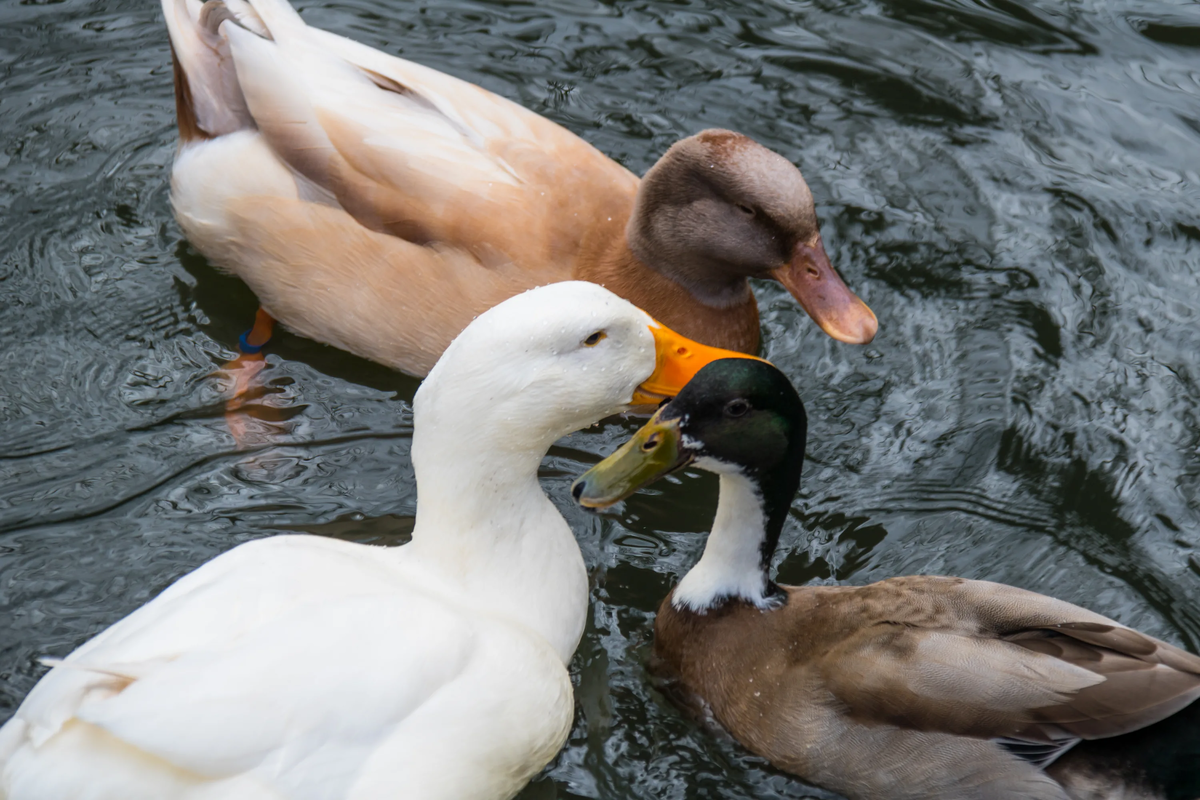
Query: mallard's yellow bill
x=654, y=451
x=677, y=360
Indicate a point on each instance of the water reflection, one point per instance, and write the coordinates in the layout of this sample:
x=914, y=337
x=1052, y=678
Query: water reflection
x=1011, y=187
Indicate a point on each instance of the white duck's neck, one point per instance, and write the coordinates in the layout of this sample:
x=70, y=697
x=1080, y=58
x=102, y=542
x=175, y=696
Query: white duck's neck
x=732, y=566
x=484, y=523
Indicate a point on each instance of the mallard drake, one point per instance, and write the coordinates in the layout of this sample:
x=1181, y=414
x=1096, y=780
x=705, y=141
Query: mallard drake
x=378, y=206
x=913, y=687
x=309, y=668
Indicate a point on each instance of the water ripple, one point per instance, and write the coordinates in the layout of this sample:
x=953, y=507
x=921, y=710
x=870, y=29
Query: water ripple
x=1011, y=186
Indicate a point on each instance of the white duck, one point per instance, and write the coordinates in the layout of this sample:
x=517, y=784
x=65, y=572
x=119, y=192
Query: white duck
x=309, y=668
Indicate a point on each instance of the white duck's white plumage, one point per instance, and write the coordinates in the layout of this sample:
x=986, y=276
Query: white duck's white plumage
x=308, y=668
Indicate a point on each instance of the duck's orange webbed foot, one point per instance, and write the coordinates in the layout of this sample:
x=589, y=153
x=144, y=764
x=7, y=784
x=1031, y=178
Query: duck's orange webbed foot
x=245, y=369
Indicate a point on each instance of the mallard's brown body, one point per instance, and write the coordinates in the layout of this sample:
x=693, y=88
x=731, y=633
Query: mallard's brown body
x=901, y=689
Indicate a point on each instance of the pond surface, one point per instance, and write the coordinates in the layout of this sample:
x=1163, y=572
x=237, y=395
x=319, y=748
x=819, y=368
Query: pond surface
x=1012, y=187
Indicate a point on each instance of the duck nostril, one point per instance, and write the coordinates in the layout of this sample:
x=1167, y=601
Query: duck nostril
x=651, y=442
x=814, y=272
x=681, y=350
x=577, y=490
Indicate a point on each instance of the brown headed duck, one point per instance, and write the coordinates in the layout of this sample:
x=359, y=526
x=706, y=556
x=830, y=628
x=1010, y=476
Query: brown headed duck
x=914, y=687
x=378, y=205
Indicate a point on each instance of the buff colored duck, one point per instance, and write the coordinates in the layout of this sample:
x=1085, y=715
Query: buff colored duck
x=378, y=205
x=917, y=687
x=308, y=668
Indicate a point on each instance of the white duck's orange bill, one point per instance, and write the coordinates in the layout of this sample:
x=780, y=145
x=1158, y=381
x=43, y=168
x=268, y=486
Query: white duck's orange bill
x=677, y=360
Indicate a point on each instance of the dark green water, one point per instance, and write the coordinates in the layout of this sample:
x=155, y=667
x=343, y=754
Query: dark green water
x=1013, y=187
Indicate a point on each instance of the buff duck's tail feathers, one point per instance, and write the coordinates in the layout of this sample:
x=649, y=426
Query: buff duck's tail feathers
x=208, y=100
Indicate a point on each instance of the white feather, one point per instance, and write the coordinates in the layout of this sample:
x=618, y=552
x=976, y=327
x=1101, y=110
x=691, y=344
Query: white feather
x=732, y=562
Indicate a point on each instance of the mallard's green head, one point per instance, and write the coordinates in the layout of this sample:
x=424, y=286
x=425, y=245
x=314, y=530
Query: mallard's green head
x=735, y=415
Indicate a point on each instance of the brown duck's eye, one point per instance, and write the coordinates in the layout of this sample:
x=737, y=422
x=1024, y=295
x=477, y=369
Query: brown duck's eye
x=594, y=339
x=745, y=209
x=736, y=408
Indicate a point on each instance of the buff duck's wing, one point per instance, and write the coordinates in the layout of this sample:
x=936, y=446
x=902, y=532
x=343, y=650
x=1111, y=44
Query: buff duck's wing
x=407, y=150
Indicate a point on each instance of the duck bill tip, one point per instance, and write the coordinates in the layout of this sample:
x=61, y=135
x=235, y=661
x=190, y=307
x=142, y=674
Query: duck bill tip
x=824, y=296
x=654, y=451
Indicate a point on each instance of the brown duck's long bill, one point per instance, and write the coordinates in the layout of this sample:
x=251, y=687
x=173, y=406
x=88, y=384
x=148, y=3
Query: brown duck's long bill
x=677, y=360
x=654, y=451
x=818, y=288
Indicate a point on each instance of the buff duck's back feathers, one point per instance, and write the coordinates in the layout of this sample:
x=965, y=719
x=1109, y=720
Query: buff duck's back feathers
x=404, y=149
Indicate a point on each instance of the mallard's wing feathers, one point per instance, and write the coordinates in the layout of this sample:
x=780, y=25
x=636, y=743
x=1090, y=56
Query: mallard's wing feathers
x=1144, y=680
x=985, y=660
x=947, y=681
x=1040, y=754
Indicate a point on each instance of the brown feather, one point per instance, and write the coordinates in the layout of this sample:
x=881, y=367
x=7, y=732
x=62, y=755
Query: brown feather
x=189, y=129
x=481, y=197
x=899, y=688
x=734, y=327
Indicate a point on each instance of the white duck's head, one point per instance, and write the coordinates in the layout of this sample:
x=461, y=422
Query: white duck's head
x=522, y=375
x=551, y=361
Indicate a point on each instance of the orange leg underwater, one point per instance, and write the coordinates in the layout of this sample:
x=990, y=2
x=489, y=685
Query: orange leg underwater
x=245, y=369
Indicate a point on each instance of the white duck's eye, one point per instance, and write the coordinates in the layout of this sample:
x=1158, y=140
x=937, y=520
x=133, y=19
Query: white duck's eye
x=595, y=339
x=736, y=408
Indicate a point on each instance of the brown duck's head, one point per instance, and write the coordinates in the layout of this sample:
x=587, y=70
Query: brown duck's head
x=718, y=208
